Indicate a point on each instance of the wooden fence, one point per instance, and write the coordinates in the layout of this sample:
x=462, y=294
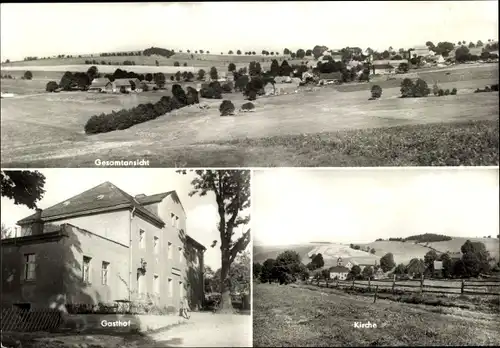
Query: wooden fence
x=460, y=287
x=19, y=320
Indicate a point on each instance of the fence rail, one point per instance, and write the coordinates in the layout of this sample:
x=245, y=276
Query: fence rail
x=19, y=320
x=465, y=287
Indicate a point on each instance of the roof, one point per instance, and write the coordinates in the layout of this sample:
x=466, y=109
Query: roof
x=105, y=197
x=339, y=269
x=123, y=82
x=99, y=83
x=330, y=76
x=195, y=243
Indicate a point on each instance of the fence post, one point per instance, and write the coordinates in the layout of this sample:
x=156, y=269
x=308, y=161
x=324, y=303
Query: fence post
x=369, y=284
x=462, y=287
x=353, y=284
x=393, y=282
x=375, y=297
x=422, y=284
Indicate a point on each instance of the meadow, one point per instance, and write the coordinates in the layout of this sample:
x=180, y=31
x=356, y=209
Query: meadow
x=334, y=126
x=292, y=316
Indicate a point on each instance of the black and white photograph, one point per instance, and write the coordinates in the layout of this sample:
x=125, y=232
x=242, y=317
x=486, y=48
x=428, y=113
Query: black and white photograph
x=249, y=84
x=376, y=257
x=131, y=258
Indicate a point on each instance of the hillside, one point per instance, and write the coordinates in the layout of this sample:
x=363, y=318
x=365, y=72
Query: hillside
x=403, y=251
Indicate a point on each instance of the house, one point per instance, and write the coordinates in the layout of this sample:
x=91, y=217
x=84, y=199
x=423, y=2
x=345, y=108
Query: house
x=100, y=85
x=379, y=274
x=269, y=89
x=101, y=246
x=336, y=76
x=339, y=272
x=420, y=51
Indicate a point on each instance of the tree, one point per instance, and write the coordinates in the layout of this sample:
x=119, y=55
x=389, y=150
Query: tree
x=238, y=52
x=406, y=88
x=254, y=68
x=309, y=53
x=230, y=52
x=318, y=51
x=400, y=269
x=92, y=73
x=25, y=187
x=28, y=75
x=447, y=265
x=189, y=76
x=213, y=73
x=231, y=189
x=201, y=74
x=376, y=91
x=51, y=86
x=266, y=271
x=160, y=79
x=275, y=68
x=318, y=261
x=471, y=45
x=403, y=67
x=429, y=259
x=178, y=76
x=355, y=272
x=368, y=272
x=177, y=64
x=300, y=53
x=286, y=51
x=256, y=270
x=285, y=69
x=386, y=54
x=372, y=251
x=420, y=89
x=462, y=54
x=231, y=67
x=475, y=258
x=149, y=77
x=479, y=43
x=387, y=262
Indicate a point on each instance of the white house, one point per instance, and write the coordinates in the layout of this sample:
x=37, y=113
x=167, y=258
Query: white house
x=339, y=272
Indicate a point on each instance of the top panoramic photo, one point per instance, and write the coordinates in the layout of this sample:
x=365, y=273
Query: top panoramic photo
x=250, y=84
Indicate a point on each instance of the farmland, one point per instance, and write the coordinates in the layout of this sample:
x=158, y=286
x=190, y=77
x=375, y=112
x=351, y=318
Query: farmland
x=334, y=126
x=294, y=316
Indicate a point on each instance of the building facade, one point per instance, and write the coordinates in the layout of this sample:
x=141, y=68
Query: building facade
x=103, y=246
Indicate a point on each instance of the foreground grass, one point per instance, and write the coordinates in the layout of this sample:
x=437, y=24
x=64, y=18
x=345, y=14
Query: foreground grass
x=471, y=143
x=290, y=316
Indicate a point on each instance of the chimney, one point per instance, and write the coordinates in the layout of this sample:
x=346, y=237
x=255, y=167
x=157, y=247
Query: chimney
x=37, y=226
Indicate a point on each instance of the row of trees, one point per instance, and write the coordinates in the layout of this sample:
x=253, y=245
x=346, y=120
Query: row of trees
x=358, y=247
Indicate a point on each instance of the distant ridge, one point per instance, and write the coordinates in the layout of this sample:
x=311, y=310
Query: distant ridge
x=322, y=243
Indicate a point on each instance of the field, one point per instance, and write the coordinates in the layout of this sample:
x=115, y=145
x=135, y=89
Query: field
x=286, y=316
x=403, y=252
x=335, y=126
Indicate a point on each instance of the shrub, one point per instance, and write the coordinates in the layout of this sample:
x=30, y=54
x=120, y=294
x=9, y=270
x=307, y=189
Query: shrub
x=440, y=93
x=376, y=91
x=179, y=94
x=52, y=86
x=435, y=89
x=494, y=87
x=176, y=64
x=252, y=95
x=192, y=96
x=28, y=75
x=406, y=88
x=454, y=91
x=447, y=92
x=227, y=87
x=248, y=106
x=420, y=89
x=226, y=108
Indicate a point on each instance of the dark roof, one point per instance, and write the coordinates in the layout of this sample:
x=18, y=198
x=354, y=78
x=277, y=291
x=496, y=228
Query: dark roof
x=105, y=197
x=158, y=197
x=125, y=82
x=195, y=243
x=339, y=269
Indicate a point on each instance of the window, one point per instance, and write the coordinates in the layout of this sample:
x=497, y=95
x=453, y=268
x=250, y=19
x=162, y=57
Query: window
x=156, y=244
x=181, y=290
x=177, y=222
x=169, y=250
x=86, y=270
x=142, y=240
x=180, y=254
x=156, y=284
x=140, y=284
x=172, y=217
x=29, y=267
x=170, y=287
x=104, y=272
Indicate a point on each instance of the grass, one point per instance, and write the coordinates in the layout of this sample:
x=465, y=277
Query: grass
x=324, y=128
x=290, y=316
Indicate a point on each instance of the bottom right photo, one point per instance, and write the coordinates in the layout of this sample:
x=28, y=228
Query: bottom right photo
x=376, y=257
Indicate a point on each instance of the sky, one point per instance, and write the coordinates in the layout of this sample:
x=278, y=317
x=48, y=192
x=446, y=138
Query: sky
x=37, y=29
x=61, y=184
x=361, y=205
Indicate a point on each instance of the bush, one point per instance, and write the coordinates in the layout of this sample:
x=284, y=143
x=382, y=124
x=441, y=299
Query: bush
x=192, y=96
x=248, y=106
x=440, y=93
x=252, y=95
x=494, y=87
x=227, y=87
x=376, y=91
x=447, y=92
x=421, y=89
x=406, y=88
x=210, y=93
x=52, y=86
x=454, y=91
x=179, y=94
x=226, y=108
x=28, y=75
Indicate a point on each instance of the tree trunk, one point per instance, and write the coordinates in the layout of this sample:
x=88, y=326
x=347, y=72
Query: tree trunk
x=225, y=304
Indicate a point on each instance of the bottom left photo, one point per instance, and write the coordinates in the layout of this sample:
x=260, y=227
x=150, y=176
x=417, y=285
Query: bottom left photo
x=126, y=258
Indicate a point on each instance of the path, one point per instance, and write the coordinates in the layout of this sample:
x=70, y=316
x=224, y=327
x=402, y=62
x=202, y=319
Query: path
x=209, y=330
